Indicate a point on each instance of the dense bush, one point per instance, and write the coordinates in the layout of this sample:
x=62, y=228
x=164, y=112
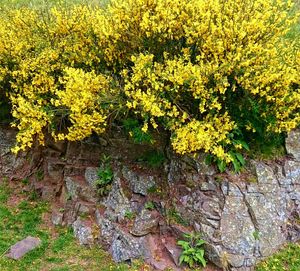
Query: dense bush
x=212, y=73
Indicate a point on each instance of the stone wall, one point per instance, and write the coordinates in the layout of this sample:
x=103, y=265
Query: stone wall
x=243, y=218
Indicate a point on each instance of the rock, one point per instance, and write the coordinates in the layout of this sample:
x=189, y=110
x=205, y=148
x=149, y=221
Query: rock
x=271, y=215
x=55, y=171
x=18, y=250
x=208, y=206
x=57, y=217
x=173, y=250
x=83, y=232
x=208, y=185
x=117, y=203
x=179, y=231
x=292, y=144
x=173, y=170
x=139, y=184
x=157, y=254
x=71, y=188
x=48, y=192
x=107, y=229
x=292, y=171
x=145, y=223
x=91, y=175
x=125, y=247
x=216, y=254
x=265, y=174
x=235, y=260
x=202, y=167
x=78, y=189
x=70, y=212
x=237, y=227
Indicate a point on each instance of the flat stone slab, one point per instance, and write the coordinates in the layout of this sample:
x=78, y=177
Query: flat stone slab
x=18, y=250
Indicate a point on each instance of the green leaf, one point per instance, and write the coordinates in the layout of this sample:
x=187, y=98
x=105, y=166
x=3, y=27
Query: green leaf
x=191, y=250
x=200, y=243
x=208, y=159
x=240, y=158
x=181, y=259
x=236, y=165
x=191, y=262
x=243, y=143
x=203, y=262
x=221, y=165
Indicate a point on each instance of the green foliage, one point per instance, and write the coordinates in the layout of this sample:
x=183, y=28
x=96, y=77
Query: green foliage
x=154, y=159
x=288, y=259
x=235, y=152
x=174, y=216
x=134, y=129
x=149, y=205
x=39, y=174
x=192, y=250
x=5, y=116
x=105, y=177
x=256, y=235
x=129, y=215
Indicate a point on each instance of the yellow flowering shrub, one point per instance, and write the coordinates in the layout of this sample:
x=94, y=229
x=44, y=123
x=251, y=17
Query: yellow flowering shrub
x=211, y=73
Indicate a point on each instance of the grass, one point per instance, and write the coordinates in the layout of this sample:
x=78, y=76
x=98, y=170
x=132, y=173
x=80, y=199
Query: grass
x=288, y=259
x=59, y=251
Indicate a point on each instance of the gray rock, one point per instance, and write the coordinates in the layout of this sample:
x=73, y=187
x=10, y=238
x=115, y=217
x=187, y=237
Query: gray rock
x=265, y=174
x=107, y=229
x=292, y=171
x=139, y=184
x=117, y=203
x=216, y=254
x=91, y=175
x=202, y=167
x=271, y=215
x=208, y=186
x=72, y=188
x=57, y=218
x=235, y=260
x=292, y=144
x=77, y=189
x=125, y=247
x=145, y=223
x=237, y=227
x=173, y=171
x=83, y=232
x=18, y=250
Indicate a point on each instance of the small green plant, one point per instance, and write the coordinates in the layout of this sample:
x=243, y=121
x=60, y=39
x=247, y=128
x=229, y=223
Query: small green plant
x=105, y=177
x=25, y=181
x=134, y=128
x=256, y=235
x=129, y=215
x=149, y=205
x=39, y=175
x=192, y=250
x=153, y=189
x=33, y=196
x=174, y=216
x=154, y=158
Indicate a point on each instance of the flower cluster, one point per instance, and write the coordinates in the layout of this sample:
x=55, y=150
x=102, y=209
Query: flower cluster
x=192, y=67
